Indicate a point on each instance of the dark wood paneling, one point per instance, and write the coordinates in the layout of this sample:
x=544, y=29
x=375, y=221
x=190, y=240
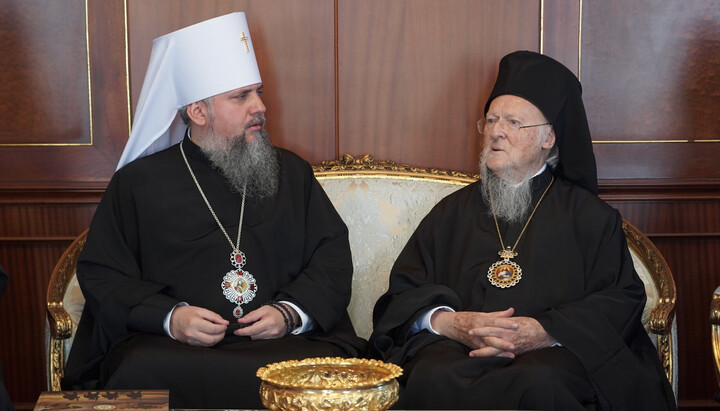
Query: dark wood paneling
x=66, y=129
x=561, y=31
x=33, y=43
x=33, y=223
x=294, y=45
x=649, y=73
x=673, y=217
x=658, y=160
x=414, y=74
x=694, y=263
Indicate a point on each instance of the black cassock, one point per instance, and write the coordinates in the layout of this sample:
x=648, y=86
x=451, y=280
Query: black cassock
x=153, y=243
x=578, y=281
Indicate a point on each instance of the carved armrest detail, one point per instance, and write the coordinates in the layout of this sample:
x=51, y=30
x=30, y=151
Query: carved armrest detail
x=661, y=317
x=715, y=308
x=60, y=322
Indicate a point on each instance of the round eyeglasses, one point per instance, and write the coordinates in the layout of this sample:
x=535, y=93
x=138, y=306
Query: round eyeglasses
x=486, y=124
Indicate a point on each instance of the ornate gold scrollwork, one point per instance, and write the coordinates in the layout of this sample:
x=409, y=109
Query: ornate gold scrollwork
x=349, y=164
x=663, y=314
x=665, y=352
x=715, y=330
x=59, y=321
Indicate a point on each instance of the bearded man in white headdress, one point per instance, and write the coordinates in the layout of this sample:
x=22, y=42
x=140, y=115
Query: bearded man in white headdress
x=212, y=252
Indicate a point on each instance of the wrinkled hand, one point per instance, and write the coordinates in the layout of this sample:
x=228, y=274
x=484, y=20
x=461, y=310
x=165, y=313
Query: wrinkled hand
x=457, y=326
x=526, y=335
x=197, y=326
x=267, y=323
x=493, y=334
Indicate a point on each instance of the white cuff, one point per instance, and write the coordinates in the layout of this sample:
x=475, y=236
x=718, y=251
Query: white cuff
x=166, y=323
x=307, y=322
x=423, y=323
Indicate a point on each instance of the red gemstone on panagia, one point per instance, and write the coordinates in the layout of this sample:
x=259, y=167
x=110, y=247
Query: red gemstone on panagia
x=238, y=258
x=252, y=287
x=239, y=300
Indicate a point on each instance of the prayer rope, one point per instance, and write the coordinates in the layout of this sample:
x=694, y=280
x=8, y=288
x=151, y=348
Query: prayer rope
x=286, y=314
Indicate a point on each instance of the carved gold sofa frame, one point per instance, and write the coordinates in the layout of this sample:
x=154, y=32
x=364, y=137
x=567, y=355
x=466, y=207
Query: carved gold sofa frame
x=381, y=202
x=715, y=334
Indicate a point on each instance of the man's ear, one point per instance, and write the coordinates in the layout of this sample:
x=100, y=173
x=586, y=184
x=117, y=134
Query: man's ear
x=549, y=139
x=198, y=113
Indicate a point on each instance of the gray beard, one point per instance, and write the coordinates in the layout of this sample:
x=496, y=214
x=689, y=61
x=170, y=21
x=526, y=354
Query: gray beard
x=510, y=202
x=253, y=166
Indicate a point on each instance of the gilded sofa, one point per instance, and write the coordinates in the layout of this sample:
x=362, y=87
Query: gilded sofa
x=381, y=202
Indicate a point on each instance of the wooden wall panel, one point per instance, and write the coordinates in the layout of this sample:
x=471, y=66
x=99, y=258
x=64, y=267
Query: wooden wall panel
x=294, y=45
x=32, y=86
x=414, y=75
x=561, y=29
x=69, y=126
x=649, y=72
x=403, y=80
x=695, y=261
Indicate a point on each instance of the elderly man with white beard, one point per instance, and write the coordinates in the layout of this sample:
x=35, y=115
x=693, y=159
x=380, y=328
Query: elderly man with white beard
x=212, y=252
x=518, y=291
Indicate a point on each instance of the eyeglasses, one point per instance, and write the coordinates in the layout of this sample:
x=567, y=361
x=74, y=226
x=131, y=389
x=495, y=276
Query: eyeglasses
x=485, y=124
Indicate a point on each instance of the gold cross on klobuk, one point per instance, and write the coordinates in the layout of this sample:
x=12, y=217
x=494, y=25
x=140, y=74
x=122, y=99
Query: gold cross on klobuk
x=244, y=39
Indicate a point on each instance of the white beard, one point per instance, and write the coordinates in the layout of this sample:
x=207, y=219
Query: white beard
x=511, y=202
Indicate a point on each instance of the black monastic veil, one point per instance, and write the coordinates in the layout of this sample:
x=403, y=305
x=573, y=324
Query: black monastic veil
x=578, y=282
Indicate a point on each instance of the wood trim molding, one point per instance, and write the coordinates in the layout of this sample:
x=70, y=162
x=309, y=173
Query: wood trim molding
x=610, y=190
x=54, y=196
x=659, y=190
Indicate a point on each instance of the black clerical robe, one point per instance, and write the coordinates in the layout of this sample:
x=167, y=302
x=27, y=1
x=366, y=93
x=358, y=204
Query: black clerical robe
x=153, y=243
x=578, y=281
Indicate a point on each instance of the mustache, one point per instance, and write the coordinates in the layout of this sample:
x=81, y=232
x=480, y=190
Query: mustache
x=258, y=119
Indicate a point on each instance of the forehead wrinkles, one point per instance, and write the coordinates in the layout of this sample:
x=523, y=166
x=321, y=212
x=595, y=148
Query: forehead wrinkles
x=507, y=106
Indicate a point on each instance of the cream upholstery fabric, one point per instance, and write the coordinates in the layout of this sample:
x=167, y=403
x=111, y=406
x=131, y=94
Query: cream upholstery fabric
x=650, y=290
x=381, y=214
x=74, y=302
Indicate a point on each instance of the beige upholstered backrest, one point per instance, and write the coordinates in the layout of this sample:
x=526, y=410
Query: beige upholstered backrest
x=381, y=202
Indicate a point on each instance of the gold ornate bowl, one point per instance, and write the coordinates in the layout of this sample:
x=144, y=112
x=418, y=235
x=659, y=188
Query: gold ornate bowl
x=329, y=384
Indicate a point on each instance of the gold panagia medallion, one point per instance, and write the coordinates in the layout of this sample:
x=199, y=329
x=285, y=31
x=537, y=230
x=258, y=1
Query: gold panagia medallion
x=505, y=273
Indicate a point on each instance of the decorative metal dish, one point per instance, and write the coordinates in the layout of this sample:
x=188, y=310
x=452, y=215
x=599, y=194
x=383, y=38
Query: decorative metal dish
x=329, y=384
